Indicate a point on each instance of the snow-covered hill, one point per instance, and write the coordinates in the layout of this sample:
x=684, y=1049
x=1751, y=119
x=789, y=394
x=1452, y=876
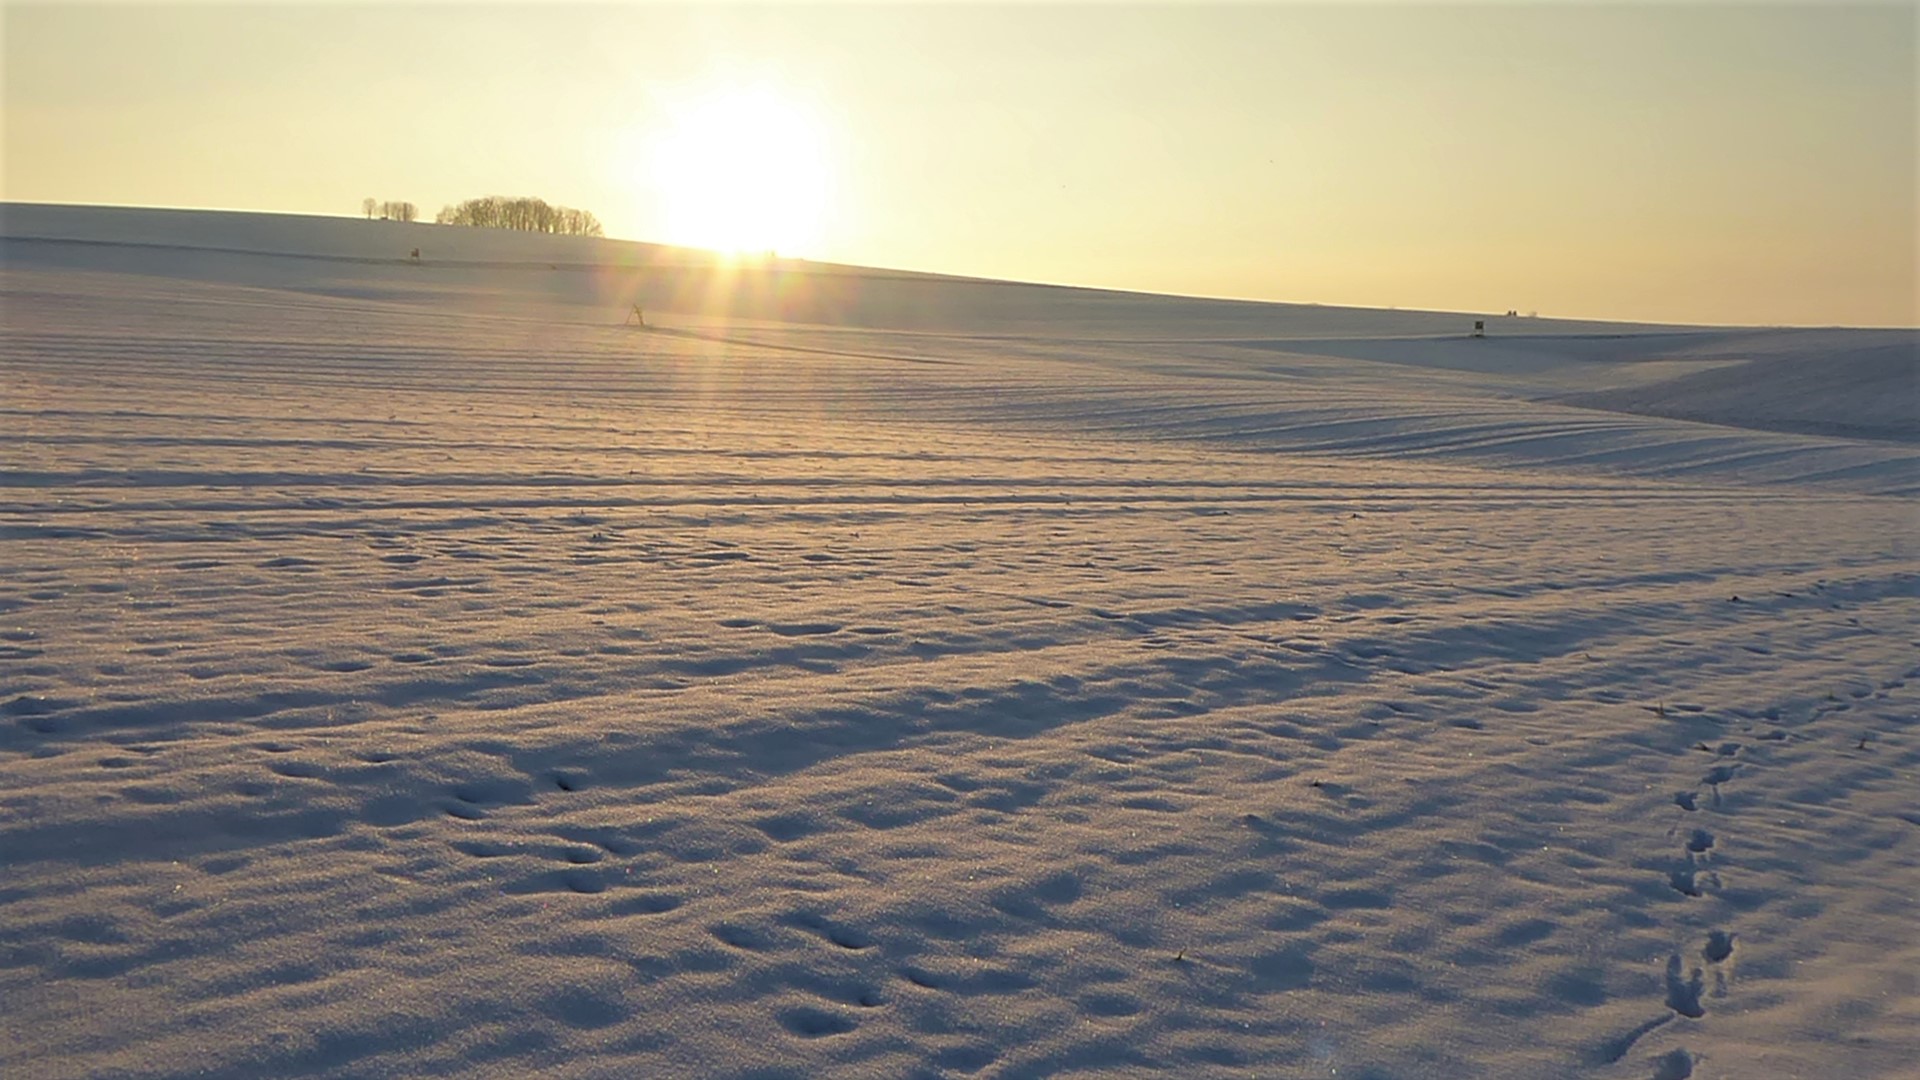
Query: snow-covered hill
x=407, y=669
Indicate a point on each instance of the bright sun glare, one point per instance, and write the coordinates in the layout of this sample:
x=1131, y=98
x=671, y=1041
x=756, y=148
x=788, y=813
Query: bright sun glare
x=742, y=171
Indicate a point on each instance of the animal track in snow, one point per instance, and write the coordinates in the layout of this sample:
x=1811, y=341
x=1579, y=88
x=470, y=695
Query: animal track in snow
x=1718, y=775
x=1719, y=946
x=1686, y=882
x=1683, y=992
x=1673, y=1065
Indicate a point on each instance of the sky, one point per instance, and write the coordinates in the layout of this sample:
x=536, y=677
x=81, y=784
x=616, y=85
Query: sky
x=1694, y=162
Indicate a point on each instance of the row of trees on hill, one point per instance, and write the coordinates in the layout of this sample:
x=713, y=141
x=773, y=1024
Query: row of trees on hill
x=389, y=211
x=524, y=214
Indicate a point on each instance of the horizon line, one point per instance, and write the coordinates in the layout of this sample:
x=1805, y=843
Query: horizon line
x=722, y=257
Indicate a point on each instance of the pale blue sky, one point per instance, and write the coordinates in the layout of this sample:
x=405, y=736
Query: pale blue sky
x=1697, y=162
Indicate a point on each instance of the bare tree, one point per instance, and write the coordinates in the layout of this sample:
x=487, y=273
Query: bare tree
x=390, y=210
x=526, y=215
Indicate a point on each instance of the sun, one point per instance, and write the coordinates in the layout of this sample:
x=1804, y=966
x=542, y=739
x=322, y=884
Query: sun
x=743, y=171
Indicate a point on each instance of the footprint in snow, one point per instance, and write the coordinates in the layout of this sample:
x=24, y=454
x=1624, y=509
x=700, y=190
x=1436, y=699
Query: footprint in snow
x=1683, y=992
x=1686, y=882
x=1673, y=1065
x=1718, y=775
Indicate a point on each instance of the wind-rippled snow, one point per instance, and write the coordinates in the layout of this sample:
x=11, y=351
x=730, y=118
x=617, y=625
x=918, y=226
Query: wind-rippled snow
x=407, y=670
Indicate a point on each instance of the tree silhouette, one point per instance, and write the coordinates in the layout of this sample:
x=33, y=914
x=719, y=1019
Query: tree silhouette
x=522, y=214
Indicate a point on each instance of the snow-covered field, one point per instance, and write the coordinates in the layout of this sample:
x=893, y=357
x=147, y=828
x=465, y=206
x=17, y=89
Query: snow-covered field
x=407, y=670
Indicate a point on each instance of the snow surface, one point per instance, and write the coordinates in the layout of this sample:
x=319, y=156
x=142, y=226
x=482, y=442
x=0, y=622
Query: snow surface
x=407, y=670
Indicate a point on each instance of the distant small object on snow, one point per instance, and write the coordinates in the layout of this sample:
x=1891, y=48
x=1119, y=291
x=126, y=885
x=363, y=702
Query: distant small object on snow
x=635, y=315
x=1479, y=328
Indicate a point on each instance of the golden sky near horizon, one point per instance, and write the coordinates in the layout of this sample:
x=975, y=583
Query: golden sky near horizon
x=1699, y=162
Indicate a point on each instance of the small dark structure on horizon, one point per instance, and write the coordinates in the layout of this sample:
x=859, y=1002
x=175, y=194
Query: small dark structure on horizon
x=1479, y=328
x=635, y=315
